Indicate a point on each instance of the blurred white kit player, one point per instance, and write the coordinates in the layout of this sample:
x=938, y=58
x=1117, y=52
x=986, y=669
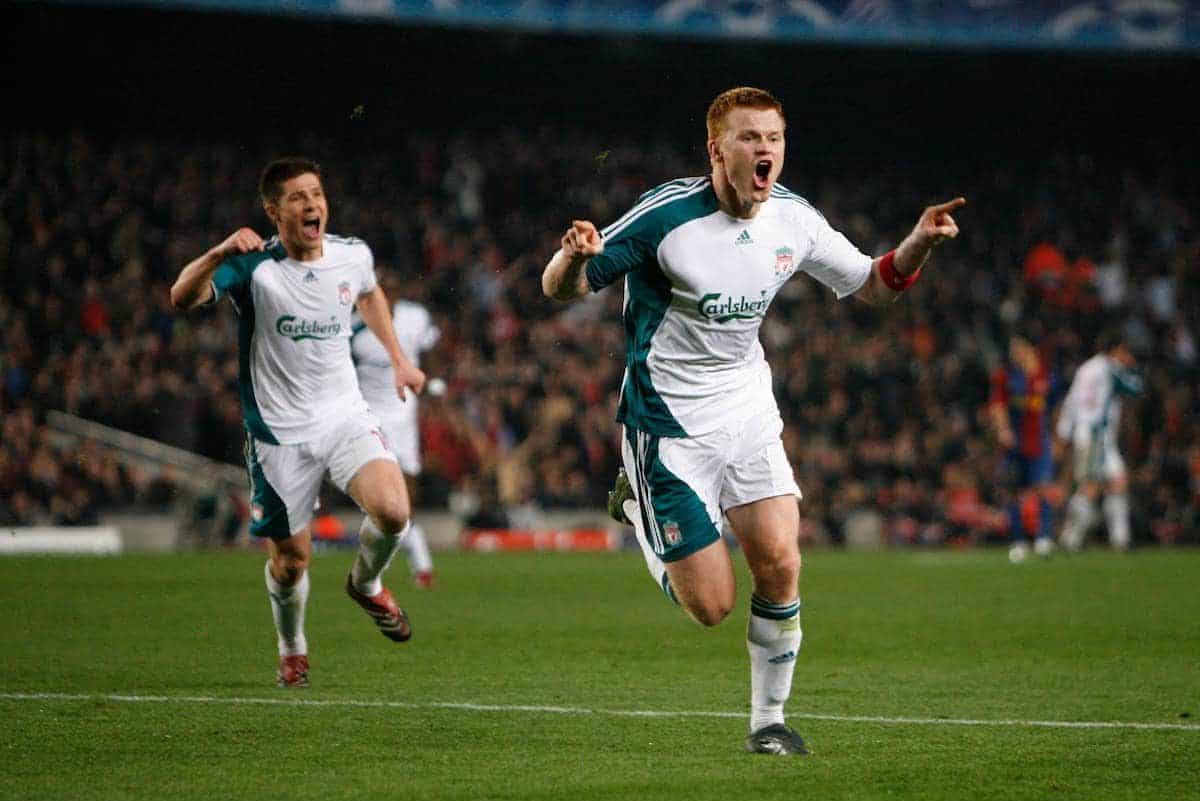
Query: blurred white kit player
x=417, y=334
x=1088, y=422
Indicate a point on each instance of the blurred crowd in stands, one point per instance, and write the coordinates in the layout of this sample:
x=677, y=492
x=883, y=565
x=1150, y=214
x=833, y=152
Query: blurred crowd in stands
x=884, y=406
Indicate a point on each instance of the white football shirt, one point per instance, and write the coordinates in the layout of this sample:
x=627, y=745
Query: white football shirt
x=416, y=333
x=697, y=285
x=1091, y=412
x=295, y=374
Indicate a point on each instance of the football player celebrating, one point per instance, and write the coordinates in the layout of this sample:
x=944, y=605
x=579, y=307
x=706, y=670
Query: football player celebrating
x=701, y=259
x=301, y=405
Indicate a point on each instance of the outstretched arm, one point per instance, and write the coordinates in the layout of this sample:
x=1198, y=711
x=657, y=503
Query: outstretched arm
x=193, y=287
x=894, y=272
x=373, y=307
x=565, y=276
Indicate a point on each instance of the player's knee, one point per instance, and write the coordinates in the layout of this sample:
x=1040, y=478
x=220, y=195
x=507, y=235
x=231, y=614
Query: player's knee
x=710, y=612
x=288, y=568
x=780, y=577
x=391, y=516
x=789, y=568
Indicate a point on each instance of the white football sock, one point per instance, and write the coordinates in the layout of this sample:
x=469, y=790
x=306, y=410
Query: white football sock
x=1081, y=515
x=773, y=638
x=1116, y=517
x=655, y=565
x=375, y=552
x=287, y=607
x=416, y=550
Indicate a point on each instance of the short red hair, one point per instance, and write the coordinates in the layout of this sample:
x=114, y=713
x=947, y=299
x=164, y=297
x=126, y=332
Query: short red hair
x=738, y=97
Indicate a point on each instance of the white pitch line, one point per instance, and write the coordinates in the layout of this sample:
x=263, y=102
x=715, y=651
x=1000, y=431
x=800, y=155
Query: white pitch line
x=575, y=710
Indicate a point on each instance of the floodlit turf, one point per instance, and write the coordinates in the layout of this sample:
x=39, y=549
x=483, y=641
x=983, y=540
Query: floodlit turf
x=150, y=677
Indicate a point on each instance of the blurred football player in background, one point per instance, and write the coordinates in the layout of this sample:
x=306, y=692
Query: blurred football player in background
x=417, y=334
x=1088, y=424
x=1023, y=392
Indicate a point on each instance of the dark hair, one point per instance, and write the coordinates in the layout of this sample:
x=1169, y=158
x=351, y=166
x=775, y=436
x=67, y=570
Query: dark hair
x=279, y=171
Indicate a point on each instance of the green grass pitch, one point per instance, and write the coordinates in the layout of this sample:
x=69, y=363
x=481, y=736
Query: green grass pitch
x=923, y=675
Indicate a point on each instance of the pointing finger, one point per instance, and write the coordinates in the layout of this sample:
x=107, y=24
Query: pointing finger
x=949, y=205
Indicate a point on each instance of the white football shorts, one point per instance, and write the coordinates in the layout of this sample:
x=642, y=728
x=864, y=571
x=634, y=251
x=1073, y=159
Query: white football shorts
x=683, y=485
x=401, y=428
x=1097, y=458
x=286, y=479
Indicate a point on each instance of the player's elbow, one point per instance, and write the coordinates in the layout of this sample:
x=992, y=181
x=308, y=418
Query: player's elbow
x=179, y=301
x=555, y=288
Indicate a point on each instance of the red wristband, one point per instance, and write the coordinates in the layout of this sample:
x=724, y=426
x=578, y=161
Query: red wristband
x=894, y=280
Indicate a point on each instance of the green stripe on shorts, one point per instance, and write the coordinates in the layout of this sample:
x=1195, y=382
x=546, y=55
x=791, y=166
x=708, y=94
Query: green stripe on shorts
x=678, y=522
x=268, y=515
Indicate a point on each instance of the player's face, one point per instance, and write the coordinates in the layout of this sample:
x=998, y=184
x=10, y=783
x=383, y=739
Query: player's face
x=750, y=152
x=300, y=214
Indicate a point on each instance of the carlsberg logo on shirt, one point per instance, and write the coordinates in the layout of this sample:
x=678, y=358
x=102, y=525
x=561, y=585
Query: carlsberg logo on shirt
x=297, y=330
x=712, y=307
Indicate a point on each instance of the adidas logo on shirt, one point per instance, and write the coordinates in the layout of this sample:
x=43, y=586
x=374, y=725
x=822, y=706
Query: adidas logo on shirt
x=744, y=238
x=311, y=277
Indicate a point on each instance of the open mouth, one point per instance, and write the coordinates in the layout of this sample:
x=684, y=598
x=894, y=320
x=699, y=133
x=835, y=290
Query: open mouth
x=311, y=227
x=762, y=174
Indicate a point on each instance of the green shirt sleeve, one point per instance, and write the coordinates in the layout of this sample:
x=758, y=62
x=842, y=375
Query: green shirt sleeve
x=623, y=253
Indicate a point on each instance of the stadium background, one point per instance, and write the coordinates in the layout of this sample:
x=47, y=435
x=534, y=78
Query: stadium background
x=459, y=147
x=131, y=138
